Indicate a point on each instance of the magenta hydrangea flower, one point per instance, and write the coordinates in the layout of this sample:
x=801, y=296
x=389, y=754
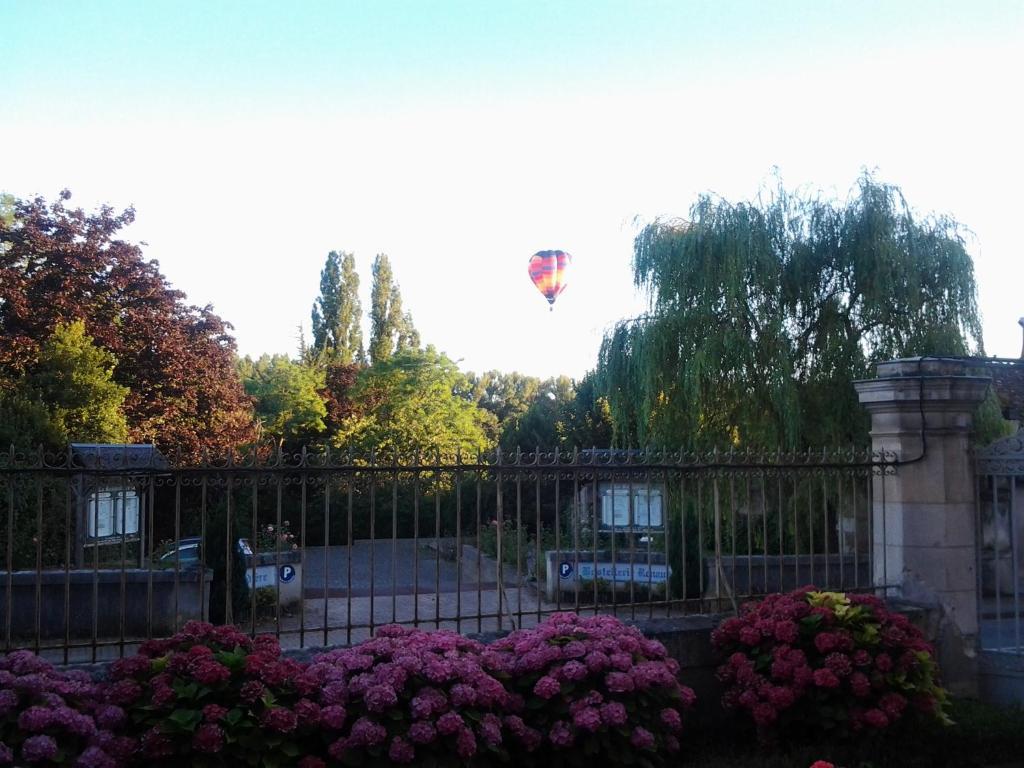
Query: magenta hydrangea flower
x=401, y=751
x=39, y=748
x=546, y=687
x=209, y=739
x=561, y=734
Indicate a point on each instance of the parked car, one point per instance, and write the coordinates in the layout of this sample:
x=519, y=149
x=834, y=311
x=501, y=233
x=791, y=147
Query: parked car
x=185, y=552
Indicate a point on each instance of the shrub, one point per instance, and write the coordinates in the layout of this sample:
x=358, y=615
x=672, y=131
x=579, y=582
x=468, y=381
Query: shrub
x=594, y=690
x=213, y=696
x=826, y=660
x=408, y=696
x=50, y=718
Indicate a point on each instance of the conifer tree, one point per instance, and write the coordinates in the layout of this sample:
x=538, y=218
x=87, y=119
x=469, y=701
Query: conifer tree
x=69, y=395
x=391, y=329
x=337, y=313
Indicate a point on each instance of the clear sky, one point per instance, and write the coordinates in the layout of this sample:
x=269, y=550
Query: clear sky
x=460, y=137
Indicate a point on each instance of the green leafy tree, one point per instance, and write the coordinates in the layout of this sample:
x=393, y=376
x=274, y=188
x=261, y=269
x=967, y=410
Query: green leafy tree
x=287, y=395
x=586, y=420
x=506, y=395
x=59, y=264
x=539, y=424
x=69, y=395
x=337, y=313
x=409, y=403
x=391, y=329
x=763, y=313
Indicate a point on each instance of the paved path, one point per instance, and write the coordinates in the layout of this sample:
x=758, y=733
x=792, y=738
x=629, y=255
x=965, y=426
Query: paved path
x=383, y=566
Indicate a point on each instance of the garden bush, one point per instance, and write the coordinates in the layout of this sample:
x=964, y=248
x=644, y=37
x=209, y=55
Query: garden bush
x=592, y=689
x=51, y=718
x=409, y=696
x=214, y=696
x=569, y=692
x=816, y=661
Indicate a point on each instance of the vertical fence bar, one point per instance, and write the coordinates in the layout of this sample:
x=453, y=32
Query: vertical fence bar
x=327, y=550
x=96, y=576
x=885, y=543
x=782, y=531
x=856, y=531
x=682, y=537
x=978, y=557
x=840, y=533
x=537, y=537
x=254, y=546
x=458, y=540
x=576, y=528
x=796, y=535
x=122, y=605
x=177, y=552
x=415, y=542
x=650, y=575
x=150, y=533
x=39, y=562
x=732, y=524
x=700, y=542
x=372, y=477
x=869, y=497
x=499, y=530
x=349, y=542
x=303, y=481
x=749, y=517
x=438, y=477
x=67, y=563
x=9, y=611
x=719, y=570
x=394, y=545
x=631, y=507
x=479, y=546
x=279, y=540
x=203, y=612
x=763, y=485
x=996, y=559
x=1015, y=545
x=229, y=608
x=613, y=536
x=824, y=528
x=596, y=495
x=519, y=539
x=558, y=539
x=810, y=527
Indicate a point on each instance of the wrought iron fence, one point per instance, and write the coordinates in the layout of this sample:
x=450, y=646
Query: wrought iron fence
x=103, y=550
x=1000, y=521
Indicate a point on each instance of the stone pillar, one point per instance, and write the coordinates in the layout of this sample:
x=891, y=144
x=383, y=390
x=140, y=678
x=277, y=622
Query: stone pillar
x=923, y=526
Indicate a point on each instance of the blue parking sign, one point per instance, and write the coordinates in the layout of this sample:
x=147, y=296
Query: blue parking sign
x=565, y=570
x=287, y=573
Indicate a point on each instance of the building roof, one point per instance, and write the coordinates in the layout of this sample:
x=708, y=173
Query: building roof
x=117, y=456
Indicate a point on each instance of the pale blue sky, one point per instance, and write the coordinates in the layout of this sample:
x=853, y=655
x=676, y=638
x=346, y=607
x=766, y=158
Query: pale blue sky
x=461, y=137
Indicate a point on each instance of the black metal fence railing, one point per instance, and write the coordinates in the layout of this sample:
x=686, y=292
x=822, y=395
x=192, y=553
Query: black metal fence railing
x=1000, y=523
x=322, y=548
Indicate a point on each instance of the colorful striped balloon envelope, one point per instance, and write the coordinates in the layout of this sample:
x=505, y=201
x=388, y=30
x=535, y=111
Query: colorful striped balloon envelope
x=549, y=270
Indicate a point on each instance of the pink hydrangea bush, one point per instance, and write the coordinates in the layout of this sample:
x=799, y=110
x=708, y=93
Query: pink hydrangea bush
x=595, y=692
x=811, y=660
x=51, y=718
x=411, y=697
x=214, y=696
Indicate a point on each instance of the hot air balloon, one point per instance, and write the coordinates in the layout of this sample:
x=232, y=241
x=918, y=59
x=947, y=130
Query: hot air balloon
x=549, y=270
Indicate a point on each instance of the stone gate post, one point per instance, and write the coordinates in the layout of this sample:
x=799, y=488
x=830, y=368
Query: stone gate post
x=923, y=526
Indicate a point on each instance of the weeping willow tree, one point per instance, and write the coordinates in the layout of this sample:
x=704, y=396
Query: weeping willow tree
x=763, y=313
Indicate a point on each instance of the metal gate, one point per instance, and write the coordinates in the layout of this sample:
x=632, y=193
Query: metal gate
x=1000, y=526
